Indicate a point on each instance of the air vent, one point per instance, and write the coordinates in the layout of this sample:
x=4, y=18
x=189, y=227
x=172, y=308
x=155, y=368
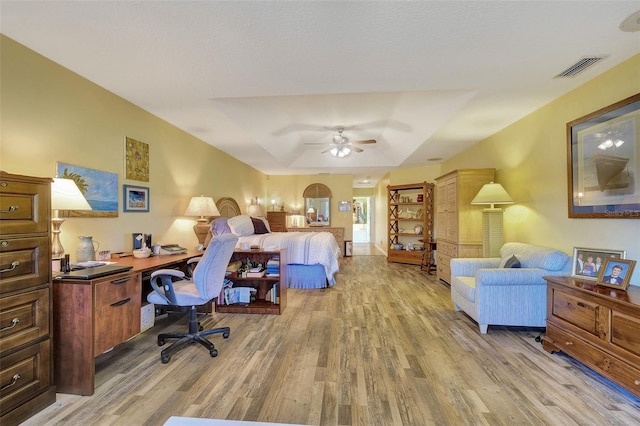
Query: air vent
x=580, y=66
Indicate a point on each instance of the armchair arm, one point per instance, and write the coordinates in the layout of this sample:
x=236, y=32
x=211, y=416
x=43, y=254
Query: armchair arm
x=467, y=267
x=163, y=284
x=510, y=277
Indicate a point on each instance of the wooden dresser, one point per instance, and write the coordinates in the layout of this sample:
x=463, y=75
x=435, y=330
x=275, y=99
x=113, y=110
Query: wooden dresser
x=459, y=224
x=26, y=364
x=338, y=233
x=277, y=221
x=598, y=326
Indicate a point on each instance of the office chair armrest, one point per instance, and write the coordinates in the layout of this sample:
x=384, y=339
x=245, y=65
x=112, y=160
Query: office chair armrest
x=162, y=283
x=194, y=260
x=173, y=272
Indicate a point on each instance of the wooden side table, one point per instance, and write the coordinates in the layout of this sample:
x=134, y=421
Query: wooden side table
x=428, y=263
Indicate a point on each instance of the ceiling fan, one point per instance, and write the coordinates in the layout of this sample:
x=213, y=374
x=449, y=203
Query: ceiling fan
x=341, y=146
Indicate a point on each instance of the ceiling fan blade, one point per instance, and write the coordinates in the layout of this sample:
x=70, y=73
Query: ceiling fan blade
x=364, y=142
x=315, y=143
x=356, y=149
x=326, y=150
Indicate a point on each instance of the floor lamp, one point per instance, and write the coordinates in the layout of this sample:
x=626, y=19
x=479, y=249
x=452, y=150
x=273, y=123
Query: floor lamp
x=201, y=206
x=492, y=239
x=65, y=195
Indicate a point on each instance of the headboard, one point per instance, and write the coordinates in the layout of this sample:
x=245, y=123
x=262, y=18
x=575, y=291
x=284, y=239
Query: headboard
x=228, y=207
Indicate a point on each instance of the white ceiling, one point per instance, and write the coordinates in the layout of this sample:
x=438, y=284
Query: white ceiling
x=258, y=80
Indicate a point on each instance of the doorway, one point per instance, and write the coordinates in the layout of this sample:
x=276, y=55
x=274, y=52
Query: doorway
x=362, y=219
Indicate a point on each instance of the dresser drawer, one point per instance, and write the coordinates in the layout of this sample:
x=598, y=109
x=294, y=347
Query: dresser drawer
x=24, y=374
x=443, y=266
x=576, y=311
x=24, y=206
x=625, y=333
x=24, y=262
x=448, y=248
x=602, y=362
x=23, y=318
x=117, y=310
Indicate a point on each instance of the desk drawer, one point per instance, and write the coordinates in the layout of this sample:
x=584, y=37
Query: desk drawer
x=24, y=374
x=23, y=318
x=117, y=310
x=24, y=206
x=447, y=248
x=24, y=262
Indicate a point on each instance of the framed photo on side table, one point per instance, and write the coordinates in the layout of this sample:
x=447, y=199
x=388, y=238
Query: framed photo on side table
x=616, y=273
x=587, y=262
x=135, y=198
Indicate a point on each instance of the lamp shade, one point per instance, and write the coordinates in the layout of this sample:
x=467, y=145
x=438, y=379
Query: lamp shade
x=202, y=206
x=65, y=195
x=492, y=193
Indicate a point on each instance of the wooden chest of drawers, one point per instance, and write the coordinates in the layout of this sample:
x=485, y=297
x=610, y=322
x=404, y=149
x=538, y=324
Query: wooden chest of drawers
x=338, y=233
x=26, y=365
x=277, y=221
x=598, y=326
x=91, y=316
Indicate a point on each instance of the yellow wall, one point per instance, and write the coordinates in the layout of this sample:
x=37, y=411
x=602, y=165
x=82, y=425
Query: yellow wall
x=50, y=114
x=530, y=158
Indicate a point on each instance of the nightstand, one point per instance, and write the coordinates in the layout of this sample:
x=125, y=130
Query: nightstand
x=277, y=221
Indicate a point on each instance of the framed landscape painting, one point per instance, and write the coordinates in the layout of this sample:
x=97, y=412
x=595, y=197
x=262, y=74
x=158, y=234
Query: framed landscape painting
x=135, y=198
x=98, y=187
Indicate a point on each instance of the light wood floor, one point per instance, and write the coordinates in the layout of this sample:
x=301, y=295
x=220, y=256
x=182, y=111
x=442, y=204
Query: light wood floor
x=382, y=347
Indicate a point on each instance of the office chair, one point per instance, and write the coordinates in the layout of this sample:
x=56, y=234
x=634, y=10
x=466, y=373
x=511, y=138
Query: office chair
x=205, y=285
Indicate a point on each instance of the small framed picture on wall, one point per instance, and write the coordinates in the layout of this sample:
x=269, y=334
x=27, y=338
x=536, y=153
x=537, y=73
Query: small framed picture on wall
x=135, y=198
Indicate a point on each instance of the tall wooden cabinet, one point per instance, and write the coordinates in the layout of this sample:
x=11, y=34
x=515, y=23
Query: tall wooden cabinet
x=26, y=363
x=410, y=221
x=459, y=224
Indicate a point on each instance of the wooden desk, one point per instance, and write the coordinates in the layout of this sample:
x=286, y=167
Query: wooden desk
x=92, y=316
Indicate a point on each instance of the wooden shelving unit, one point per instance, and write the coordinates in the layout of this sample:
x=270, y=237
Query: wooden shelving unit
x=405, y=214
x=262, y=285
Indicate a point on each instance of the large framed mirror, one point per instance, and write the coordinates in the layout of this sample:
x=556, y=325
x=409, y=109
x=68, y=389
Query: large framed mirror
x=317, y=205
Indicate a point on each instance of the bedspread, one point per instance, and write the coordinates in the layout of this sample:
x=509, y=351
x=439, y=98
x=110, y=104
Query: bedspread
x=303, y=248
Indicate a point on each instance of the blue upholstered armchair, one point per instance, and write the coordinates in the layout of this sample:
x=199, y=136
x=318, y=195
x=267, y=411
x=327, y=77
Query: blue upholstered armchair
x=516, y=295
x=172, y=288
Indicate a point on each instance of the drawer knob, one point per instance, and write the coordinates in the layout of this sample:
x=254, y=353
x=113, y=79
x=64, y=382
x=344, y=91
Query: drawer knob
x=14, y=322
x=636, y=382
x=14, y=380
x=14, y=265
x=568, y=343
x=122, y=302
x=10, y=209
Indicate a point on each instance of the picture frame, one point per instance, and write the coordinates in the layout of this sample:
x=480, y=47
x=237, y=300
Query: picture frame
x=348, y=248
x=98, y=187
x=581, y=256
x=603, y=162
x=608, y=276
x=135, y=198
x=344, y=206
x=136, y=159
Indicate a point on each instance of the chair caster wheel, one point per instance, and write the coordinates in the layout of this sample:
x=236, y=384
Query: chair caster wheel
x=160, y=342
x=214, y=352
x=165, y=359
x=225, y=335
x=200, y=328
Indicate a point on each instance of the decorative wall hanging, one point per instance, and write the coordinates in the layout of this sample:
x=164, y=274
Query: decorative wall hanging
x=603, y=156
x=136, y=160
x=99, y=188
x=135, y=198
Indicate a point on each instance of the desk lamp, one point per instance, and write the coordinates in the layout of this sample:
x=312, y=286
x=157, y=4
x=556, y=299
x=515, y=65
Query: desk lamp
x=65, y=195
x=201, y=206
x=492, y=239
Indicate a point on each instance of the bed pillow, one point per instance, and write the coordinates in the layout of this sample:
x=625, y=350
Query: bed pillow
x=266, y=224
x=512, y=262
x=259, y=226
x=241, y=225
x=219, y=226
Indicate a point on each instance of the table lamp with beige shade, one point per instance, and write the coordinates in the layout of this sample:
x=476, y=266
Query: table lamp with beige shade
x=203, y=207
x=65, y=195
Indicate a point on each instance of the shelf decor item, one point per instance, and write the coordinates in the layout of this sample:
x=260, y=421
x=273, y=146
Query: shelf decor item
x=587, y=262
x=616, y=273
x=602, y=162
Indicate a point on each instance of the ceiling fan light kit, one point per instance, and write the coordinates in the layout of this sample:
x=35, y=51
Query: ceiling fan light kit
x=340, y=146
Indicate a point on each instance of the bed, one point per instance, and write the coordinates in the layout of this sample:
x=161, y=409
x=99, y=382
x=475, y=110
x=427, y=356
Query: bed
x=312, y=256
